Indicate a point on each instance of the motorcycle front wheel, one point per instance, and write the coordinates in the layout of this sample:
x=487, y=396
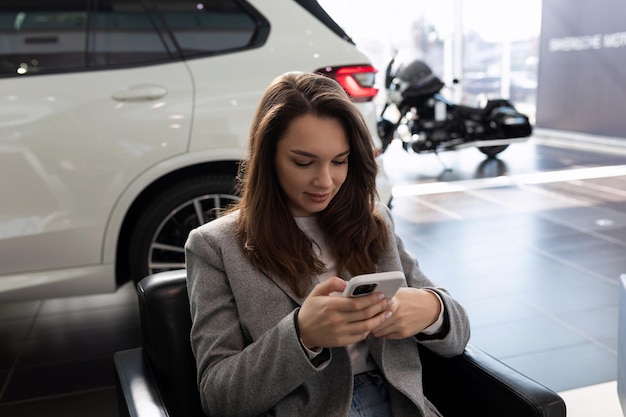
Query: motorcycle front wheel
x=492, y=151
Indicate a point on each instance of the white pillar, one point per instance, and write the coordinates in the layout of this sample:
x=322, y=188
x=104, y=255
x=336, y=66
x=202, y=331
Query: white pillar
x=505, y=70
x=457, y=57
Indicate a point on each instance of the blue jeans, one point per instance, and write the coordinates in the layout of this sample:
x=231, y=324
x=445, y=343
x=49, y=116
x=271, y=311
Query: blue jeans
x=370, y=397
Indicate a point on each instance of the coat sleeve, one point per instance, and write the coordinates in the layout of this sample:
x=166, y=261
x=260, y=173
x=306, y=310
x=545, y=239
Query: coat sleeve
x=232, y=368
x=455, y=332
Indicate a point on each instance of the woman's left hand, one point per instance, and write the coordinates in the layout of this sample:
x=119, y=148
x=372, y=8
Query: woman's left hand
x=412, y=311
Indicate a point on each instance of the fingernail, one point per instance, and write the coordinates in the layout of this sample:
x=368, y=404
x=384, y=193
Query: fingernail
x=388, y=314
x=381, y=296
x=390, y=302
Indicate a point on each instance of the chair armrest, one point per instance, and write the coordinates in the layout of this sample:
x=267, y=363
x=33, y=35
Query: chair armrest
x=476, y=383
x=136, y=389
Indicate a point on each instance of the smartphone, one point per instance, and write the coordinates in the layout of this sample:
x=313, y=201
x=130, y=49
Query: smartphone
x=385, y=282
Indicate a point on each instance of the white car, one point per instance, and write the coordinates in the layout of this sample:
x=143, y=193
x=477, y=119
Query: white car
x=121, y=128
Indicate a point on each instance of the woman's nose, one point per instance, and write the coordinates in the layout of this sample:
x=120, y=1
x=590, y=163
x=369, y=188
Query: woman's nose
x=324, y=177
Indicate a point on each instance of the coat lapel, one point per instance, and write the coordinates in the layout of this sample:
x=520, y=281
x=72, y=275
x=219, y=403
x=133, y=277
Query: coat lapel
x=346, y=276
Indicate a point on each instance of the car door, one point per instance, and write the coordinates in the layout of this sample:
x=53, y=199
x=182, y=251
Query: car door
x=92, y=94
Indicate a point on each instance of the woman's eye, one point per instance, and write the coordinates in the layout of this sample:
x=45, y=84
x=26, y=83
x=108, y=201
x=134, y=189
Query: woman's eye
x=302, y=164
x=341, y=161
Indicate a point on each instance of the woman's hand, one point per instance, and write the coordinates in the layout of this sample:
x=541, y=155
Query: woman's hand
x=413, y=310
x=327, y=320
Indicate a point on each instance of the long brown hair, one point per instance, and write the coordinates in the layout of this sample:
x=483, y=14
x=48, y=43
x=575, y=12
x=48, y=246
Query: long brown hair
x=266, y=230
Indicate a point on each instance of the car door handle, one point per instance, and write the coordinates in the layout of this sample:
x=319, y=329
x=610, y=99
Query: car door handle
x=145, y=92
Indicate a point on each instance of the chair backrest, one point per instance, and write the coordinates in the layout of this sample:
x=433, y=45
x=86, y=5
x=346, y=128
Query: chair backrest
x=166, y=325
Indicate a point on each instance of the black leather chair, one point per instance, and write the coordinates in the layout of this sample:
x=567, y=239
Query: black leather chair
x=159, y=379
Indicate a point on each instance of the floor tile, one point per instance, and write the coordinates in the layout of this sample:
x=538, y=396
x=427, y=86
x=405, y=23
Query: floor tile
x=525, y=336
x=609, y=268
x=592, y=252
x=618, y=234
x=19, y=310
x=574, y=298
x=91, y=320
x=9, y=353
x=56, y=348
x=97, y=403
x=567, y=367
x=4, y=375
x=15, y=329
x=61, y=378
x=124, y=296
x=609, y=343
x=598, y=324
x=486, y=312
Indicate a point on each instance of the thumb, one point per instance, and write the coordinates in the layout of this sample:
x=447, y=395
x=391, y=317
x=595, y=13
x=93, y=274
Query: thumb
x=334, y=284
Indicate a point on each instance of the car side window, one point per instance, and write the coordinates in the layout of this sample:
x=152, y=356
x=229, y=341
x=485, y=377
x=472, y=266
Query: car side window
x=123, y=33
x=212, y=26
x=38, y=37
x=43, y=37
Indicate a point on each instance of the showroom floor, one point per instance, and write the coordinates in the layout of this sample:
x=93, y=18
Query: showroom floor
x=532, y=244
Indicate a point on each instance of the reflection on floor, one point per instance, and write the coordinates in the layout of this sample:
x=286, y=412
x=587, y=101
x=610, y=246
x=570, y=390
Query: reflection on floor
x=56, y=355
x=534, y=258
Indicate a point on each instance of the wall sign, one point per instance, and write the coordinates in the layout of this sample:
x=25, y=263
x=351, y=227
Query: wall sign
x=582, y=67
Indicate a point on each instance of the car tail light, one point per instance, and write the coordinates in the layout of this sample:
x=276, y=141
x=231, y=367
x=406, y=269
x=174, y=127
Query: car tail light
x=357, y=80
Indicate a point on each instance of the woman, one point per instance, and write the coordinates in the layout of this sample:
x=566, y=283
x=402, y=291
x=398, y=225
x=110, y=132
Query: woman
x=270, y=334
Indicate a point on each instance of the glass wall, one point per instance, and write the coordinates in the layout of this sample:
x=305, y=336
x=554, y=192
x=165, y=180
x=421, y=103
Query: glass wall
x=480, y=48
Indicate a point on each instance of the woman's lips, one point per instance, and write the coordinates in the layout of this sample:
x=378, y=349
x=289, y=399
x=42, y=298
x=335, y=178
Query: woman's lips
x=318, y=198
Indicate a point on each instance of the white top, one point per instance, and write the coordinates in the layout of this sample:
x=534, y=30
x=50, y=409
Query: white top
x=359, y=352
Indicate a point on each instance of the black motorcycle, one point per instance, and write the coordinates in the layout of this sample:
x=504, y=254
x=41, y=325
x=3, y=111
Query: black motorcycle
x=430, y=123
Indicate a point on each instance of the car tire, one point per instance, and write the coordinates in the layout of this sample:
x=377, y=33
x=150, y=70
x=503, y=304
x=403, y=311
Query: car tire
x=157, y=240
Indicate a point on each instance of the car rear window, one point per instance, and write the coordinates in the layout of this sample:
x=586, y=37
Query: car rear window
x=213, y=26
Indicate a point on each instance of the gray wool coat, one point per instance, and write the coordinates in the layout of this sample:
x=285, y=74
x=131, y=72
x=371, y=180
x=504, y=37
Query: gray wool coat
x=249, y=358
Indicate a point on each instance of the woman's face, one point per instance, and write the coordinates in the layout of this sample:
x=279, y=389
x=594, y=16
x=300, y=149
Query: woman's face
x=312, y=163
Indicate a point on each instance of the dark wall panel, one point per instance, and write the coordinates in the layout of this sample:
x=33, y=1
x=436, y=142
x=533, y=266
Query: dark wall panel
x=582, y=67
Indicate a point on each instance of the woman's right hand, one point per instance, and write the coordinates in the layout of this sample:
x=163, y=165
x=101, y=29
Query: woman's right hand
x=327, y=320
